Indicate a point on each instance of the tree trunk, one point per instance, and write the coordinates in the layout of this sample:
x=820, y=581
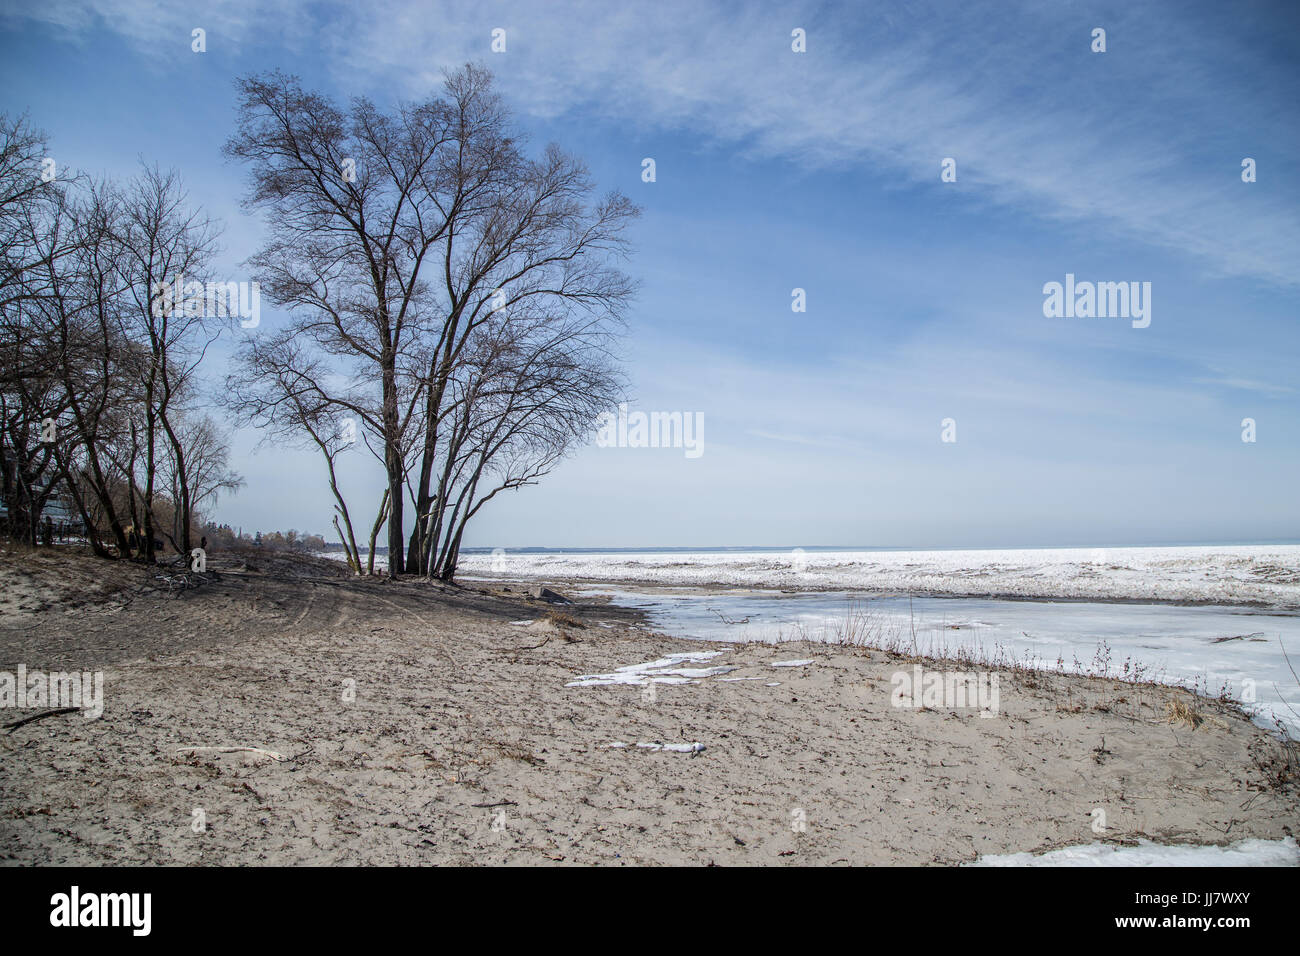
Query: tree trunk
x=374, y=534
x=393, y=466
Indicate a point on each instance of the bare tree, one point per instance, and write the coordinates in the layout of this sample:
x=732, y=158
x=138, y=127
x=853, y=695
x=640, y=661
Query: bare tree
x=281, y=388
x=61, y=339
x=199, y=475
x=29, y=184
x=88, y=351
x=354, y=205
x=410, y=245
x=527, y=394
x=165, y=244
x=34, y=238
x=530, y=245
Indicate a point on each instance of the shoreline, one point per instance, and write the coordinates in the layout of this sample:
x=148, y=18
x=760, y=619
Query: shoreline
x=649, y=585
x=1261, y=577
x=465, y=742
x=1057, y=653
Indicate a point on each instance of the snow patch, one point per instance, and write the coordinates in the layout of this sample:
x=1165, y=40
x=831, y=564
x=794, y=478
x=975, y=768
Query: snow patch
x=664, y=670
x=1243, y=853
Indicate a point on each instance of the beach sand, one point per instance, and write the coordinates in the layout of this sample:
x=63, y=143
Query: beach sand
x=409, y=723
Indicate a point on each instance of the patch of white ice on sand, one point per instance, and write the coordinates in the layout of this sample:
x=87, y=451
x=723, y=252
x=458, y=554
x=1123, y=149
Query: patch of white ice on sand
x=691, y=748
x=1243, y=853
x=664, y=670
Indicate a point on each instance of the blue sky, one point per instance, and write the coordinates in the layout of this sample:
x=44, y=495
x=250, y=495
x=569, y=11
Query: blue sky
x=820, y=170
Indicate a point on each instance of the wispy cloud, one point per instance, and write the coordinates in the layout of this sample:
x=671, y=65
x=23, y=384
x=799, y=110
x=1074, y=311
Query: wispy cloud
x=826, y=441
x=1247, y=385
x=1037, y=123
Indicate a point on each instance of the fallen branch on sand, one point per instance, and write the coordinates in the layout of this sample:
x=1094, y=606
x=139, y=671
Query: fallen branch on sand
x=744, y=620
x=45, y=713
x=229, y=750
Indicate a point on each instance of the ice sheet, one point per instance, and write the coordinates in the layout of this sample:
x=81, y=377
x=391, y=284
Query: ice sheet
x=1220, y=575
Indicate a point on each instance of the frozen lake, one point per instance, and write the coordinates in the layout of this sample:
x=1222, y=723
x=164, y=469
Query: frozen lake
x=1264, y=575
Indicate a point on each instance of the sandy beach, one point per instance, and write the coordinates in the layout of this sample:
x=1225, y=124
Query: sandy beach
x=408, y=723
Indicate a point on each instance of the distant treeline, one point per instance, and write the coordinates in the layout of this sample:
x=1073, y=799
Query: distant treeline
x=223, y=536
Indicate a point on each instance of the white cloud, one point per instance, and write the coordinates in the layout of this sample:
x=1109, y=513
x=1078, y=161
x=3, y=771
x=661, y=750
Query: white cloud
x=897, y=100
x=896, y=93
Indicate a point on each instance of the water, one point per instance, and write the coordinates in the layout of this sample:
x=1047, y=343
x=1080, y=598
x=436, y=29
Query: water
x=1213, y=649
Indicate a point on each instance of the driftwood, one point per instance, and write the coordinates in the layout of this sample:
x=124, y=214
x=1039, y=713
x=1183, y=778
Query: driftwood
x=228, y=750
x=45, y=713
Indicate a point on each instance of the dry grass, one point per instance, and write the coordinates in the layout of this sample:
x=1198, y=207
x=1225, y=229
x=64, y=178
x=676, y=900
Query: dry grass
x=1278, y=759
x=1182, y=712
x=1125, y=687
x=563, y=619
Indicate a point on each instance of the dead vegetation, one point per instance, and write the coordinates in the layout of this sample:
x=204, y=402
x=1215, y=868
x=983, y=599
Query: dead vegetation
x=563, y=619
x=1183, y=712
x=1277, y=759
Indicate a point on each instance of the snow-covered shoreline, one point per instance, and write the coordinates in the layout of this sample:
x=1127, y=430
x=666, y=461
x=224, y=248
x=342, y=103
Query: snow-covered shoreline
x=1264, y=575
